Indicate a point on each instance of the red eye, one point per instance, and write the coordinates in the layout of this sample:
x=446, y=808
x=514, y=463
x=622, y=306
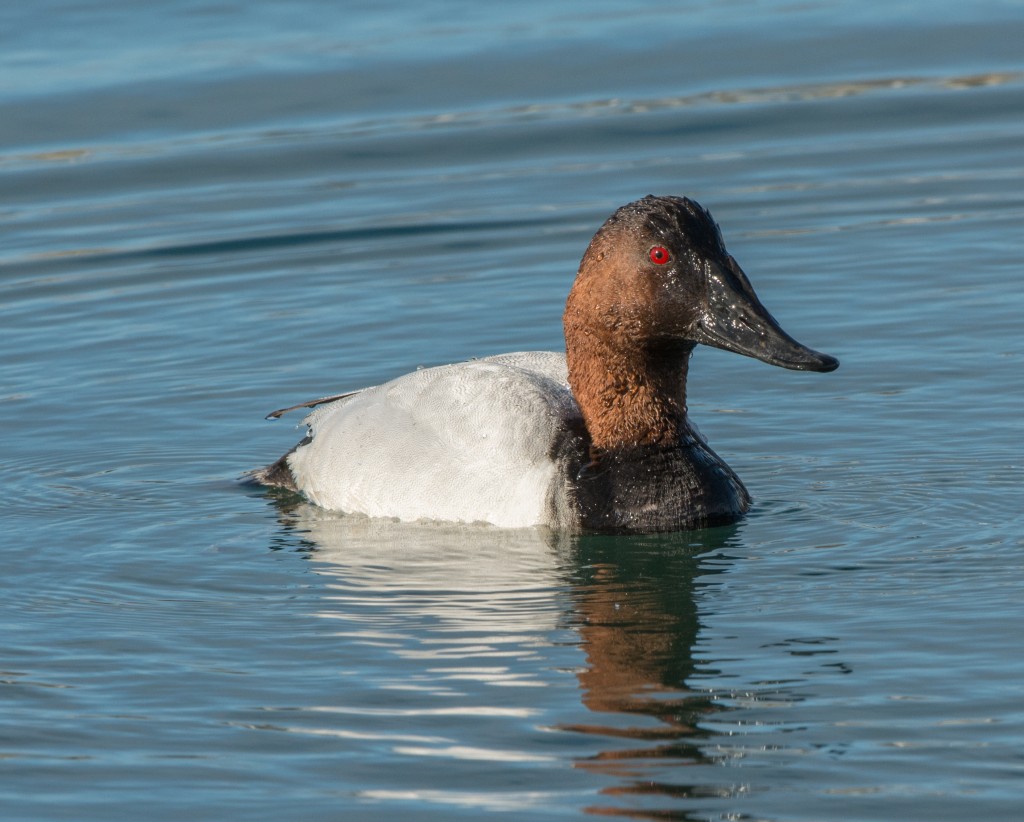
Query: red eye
x=660, y=255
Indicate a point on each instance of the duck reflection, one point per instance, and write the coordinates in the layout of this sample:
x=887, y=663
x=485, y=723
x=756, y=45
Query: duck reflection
x=638, y=624
x=629, y=601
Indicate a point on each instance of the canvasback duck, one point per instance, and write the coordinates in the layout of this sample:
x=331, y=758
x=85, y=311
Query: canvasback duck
x=593, y=440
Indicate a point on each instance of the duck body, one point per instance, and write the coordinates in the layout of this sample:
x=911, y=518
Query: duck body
x=513, y=452
x=594, y=440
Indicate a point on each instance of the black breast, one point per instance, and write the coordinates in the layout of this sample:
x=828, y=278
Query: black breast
x=647, y=489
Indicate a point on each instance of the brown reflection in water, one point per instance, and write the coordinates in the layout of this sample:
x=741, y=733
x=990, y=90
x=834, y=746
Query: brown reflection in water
x=638, y=623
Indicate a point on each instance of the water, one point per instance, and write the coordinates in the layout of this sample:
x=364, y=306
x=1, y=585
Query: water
x=209, y=212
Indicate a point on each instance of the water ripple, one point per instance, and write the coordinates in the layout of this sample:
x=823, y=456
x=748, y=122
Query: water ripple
x=476, y=118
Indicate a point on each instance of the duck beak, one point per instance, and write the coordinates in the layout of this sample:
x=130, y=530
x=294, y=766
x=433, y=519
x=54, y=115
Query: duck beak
x=735, y=320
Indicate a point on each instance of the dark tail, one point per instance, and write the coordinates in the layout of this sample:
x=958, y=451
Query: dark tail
x=278, y=474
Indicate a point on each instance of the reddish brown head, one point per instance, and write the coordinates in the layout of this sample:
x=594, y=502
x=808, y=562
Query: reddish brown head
x=655, y=281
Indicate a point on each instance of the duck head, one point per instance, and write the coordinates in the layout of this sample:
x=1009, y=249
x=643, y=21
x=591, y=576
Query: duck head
x=655, y=281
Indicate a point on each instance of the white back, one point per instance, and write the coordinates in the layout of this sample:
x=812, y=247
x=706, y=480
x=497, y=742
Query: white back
x=469, y=442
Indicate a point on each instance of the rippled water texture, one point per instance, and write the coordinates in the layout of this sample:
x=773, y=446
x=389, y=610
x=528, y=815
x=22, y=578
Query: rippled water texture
x=210, y=211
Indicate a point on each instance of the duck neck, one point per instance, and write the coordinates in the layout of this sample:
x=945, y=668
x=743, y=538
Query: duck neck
x=630, y=396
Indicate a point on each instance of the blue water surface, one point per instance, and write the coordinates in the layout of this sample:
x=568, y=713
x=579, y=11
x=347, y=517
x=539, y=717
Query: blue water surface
x=209, y=211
